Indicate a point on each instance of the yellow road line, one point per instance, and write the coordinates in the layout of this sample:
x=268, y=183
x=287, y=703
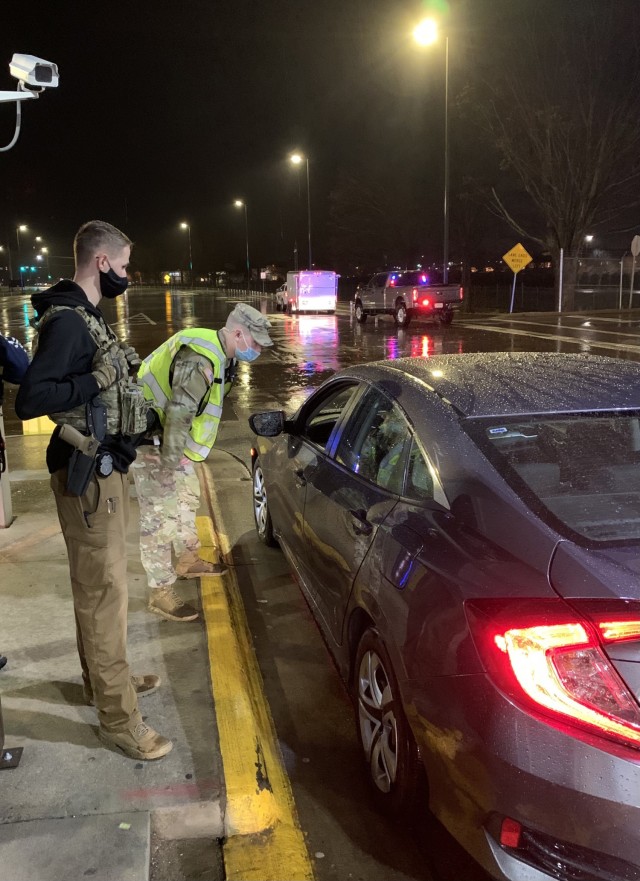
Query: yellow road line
x=264, y=840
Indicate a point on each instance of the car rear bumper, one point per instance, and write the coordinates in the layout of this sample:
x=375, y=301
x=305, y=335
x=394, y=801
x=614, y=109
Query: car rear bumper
x=486, y=758
x=436, y=308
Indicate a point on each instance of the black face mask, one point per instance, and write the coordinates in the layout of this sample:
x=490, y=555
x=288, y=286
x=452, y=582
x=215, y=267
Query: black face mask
x=112, y=285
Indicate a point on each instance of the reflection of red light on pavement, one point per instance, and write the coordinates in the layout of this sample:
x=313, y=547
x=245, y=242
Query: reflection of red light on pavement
x=392, y=348
x=422, y=347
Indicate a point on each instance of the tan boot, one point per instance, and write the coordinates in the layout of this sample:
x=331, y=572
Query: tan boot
x=141, y=742
x=199, y=568
x=145, y=684
x=164, y=601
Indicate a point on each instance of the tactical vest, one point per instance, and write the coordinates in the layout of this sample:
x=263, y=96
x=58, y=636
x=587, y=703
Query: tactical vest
x=124, y=402
x=154, y=377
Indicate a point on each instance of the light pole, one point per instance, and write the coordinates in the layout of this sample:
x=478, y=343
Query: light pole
x=425, y=34
x=45, y=251
x=297, y=159
x=20, y=228
x=9, y=259
x=240, y=204
x=187, y=226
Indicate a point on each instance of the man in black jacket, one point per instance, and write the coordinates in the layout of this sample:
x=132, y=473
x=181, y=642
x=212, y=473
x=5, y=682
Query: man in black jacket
x=77, y=359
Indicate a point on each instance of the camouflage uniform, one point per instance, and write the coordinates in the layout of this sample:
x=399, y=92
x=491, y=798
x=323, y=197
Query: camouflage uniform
x=168, y=491
x=168, y=499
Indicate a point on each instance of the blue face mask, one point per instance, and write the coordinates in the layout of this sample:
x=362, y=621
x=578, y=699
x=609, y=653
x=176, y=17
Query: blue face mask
x=247, y=354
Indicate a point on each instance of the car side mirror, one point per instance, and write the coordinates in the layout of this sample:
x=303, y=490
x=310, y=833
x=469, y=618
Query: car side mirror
x=270, y=423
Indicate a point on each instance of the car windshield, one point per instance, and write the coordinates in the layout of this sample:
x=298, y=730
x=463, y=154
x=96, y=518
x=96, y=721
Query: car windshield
x=415, y=278
x=580, y=471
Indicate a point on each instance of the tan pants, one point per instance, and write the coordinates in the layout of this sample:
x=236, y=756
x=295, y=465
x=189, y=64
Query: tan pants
x=95, y=529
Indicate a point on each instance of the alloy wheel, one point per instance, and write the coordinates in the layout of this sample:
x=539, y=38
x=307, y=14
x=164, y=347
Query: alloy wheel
x=378, y=725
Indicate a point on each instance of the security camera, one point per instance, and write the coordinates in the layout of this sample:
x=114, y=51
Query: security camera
x=34, y=71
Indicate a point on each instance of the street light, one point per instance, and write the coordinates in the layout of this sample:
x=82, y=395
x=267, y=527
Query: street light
x=426, y=33
x=240, y=204
x=20, y=228
x=297, y=159
x=187, y=226
x=45, y=251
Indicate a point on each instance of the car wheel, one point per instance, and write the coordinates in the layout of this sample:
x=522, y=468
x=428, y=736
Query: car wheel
x=446, y=317
x=402, y=315
x=261, y=515
x=278, y=307
x=390, y=751
x=361, y=315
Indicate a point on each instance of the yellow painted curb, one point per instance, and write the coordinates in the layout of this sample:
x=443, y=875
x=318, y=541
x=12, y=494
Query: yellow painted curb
x=264, y=840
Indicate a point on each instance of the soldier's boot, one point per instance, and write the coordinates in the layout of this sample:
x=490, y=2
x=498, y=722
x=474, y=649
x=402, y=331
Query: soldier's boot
x=164, y=601
x=139, y=742
x=144, y=684
x=190, y=565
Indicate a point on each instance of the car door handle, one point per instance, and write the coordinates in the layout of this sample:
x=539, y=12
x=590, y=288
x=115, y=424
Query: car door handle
x=301, y=480
x=362, y=525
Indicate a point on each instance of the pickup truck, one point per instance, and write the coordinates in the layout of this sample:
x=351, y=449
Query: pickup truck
x=405, y=294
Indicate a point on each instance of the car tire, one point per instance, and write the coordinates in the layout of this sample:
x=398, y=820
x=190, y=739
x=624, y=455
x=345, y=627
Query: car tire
x=390, y=753
x=261, y=514
x=402, y=315
x=361, y=315
x=446, y=317
x=278, y=307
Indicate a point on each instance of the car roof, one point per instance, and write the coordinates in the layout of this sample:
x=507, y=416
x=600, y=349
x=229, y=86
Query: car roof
x=504, y=384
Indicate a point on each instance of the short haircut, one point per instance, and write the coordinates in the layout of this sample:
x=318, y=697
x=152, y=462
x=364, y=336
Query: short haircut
x=94, y=236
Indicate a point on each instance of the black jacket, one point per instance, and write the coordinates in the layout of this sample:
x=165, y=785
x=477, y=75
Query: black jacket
x=59, y=377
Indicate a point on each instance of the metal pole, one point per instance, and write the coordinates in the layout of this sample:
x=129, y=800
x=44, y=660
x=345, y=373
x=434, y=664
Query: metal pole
x=18, y=238
x=445, y=273
x=309, y=211
x=560, y=279
x=190, y=257
x=246, y=229
x=620, y=292
x=633, y=272
x=10, y=263
x=513, y=291
x=6, y=510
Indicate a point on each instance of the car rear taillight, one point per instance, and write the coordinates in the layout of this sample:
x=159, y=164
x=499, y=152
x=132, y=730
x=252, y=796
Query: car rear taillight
x=550, y=655
x=461, y=294
x=415, y=294
x=425, y=302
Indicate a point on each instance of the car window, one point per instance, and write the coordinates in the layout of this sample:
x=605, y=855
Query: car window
x=419, y=483
x=380, y=280
x=320, y=421
x=376, y=442
x=582, y=469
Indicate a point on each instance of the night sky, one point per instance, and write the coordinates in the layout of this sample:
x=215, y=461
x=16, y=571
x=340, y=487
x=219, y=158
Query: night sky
x=168, y=111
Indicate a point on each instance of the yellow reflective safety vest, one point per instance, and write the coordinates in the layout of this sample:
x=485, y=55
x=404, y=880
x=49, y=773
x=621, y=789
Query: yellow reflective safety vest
x=154, y=375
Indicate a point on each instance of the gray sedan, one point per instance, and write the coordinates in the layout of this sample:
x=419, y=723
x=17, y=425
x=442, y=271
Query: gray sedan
x=466, y=529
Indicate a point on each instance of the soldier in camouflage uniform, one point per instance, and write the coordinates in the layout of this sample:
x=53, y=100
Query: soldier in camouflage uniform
x=78, y=367
x=186, y=380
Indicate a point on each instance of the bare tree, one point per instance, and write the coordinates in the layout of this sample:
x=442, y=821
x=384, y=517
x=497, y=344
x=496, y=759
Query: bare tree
x=373, y=224
x=561, y=105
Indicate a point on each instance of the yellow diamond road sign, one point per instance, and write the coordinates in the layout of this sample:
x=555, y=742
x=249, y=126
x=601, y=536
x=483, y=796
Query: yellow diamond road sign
x=517, y=258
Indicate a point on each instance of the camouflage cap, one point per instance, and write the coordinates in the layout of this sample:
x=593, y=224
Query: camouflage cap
x=256, y=323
